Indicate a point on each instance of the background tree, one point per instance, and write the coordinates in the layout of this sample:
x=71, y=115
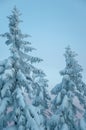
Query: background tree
x=72, y=86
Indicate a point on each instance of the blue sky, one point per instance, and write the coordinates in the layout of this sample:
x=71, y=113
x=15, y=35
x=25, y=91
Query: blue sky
x=53, y=24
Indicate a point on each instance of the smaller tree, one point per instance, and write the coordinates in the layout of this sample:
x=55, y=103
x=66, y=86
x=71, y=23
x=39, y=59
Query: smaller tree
x=63, y=104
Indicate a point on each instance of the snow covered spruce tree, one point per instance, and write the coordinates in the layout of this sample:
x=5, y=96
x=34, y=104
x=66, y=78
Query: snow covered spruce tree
x=16, y=76
x=72, y=86
x=42, y=98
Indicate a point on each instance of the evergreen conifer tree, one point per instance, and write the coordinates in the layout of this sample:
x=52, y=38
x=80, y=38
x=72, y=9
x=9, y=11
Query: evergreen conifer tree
x=72, y=86
x=16, y=76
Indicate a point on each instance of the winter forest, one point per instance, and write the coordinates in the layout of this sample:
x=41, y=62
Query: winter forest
x=25, y=100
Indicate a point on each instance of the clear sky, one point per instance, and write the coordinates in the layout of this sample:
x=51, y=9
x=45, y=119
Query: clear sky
x=53, y=24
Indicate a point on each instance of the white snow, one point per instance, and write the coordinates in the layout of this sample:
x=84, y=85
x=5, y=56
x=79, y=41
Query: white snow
x=20, y=98
x=33, y=111
x=8, y=73
x=10, y=128
x=65, y=103
x=58, y=98
x=82, y=124
x=66, y=77
x=8, y=63
x=3, y=105
x=5, y=88
x=31, y=122
x=65, y=127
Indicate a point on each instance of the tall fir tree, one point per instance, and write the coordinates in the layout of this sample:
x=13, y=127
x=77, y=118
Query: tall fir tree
x=72, y=86
x=15, y=76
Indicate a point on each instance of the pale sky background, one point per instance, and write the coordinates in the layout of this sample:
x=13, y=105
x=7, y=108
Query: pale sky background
x=53, y=24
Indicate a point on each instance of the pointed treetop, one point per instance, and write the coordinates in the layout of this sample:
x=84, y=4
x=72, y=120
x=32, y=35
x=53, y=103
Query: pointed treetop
x=70, y=59
x=69, y=52
x=14, y=17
